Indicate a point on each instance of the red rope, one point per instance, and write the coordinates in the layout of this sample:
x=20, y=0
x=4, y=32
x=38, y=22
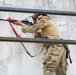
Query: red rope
x=19, y=36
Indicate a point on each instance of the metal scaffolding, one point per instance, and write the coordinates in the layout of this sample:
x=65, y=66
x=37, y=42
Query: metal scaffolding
x=37, y=40
x=26, y=10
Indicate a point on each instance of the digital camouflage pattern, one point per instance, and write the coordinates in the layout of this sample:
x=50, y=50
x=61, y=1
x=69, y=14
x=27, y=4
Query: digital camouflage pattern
x=46, y=25
x=55, y=60
x=55, y=56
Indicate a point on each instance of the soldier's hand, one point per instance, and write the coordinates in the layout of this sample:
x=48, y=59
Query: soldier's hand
x=18, y=23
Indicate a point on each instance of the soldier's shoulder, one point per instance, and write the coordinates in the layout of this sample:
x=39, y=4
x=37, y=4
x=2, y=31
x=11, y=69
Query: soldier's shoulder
x=44, y=20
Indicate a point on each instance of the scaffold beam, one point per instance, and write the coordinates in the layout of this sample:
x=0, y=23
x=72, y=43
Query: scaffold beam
x=27, y=10
x=36, y=40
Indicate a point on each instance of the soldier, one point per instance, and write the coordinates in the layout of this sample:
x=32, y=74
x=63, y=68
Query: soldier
x=55, y=56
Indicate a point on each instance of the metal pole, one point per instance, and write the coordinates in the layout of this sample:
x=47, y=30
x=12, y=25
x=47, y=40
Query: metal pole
x=26, y=10
x=36, y=40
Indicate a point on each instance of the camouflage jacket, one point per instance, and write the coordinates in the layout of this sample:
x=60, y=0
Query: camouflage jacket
x=46, y=25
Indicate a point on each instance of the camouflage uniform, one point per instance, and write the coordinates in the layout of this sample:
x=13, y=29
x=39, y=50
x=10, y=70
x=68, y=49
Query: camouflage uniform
x=55, y=56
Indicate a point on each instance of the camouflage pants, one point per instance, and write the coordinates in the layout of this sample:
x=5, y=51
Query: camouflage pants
x=55, y=60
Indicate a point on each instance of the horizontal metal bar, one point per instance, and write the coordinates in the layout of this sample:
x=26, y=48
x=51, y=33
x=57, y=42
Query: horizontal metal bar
x=26, y=10
x=36, y=40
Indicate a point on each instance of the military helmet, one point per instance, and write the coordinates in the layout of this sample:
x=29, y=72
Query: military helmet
x=37, y=14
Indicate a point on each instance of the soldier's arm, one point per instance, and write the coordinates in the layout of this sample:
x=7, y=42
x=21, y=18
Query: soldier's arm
x=41, y=24
x=25, y=28
x=29, y=29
